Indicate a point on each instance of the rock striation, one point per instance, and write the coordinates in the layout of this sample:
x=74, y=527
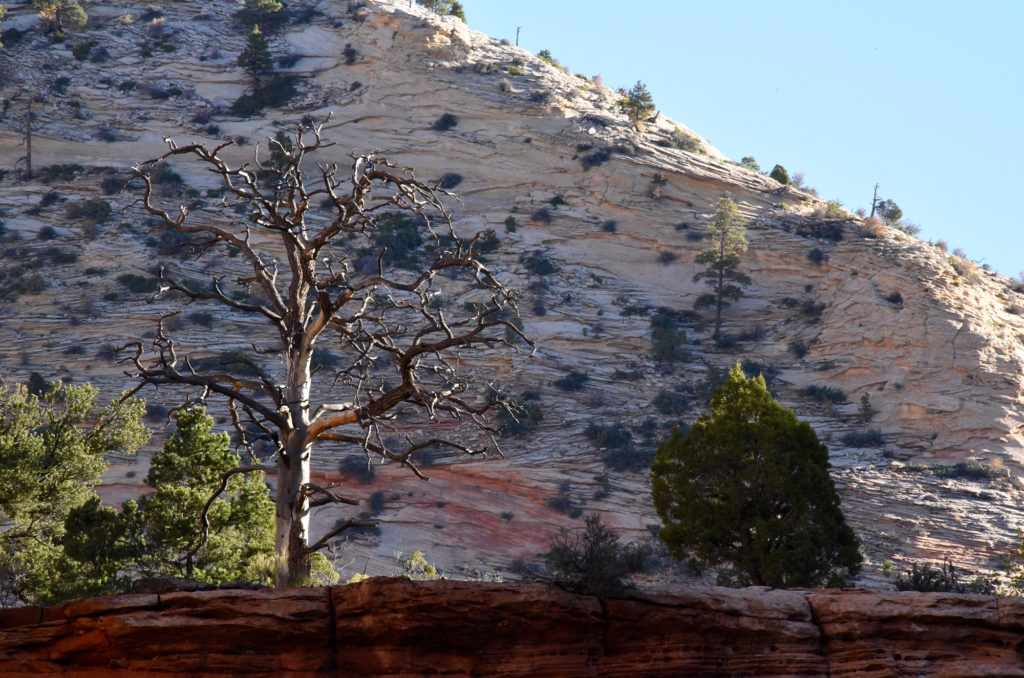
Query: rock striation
x=396, y=627
x=936, y=343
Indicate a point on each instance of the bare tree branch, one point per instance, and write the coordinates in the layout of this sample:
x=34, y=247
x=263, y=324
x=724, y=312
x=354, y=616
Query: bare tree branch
x=321, y=268
x=322, y=542
x=204, y=515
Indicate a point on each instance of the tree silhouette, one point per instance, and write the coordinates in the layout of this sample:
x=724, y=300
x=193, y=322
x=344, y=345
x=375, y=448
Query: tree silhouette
x=308, y=274
x=728, y=241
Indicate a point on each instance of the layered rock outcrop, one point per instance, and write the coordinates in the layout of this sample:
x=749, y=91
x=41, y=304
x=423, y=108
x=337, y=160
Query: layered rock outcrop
x=394, y=627
x=935, y=344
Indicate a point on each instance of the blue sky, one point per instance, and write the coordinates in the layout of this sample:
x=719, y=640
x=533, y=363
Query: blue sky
x=924, y=98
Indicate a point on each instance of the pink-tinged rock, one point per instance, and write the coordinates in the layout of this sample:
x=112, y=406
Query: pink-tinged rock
x=885, y=633
x=395, y=627
x=713, y=632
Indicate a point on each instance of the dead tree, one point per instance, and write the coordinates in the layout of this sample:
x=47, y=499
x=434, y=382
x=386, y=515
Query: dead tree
x=316, y=264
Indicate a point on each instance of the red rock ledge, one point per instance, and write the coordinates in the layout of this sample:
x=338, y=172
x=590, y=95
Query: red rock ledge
x=395, y=627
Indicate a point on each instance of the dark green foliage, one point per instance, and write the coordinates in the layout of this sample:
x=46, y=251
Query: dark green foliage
x=235, y=361
x=894, y=298
x=615, y=436
x=684, y=142
x=573, y=381
x=202, y=318
x=522, y=416
x=812, y=308
x=450, y=180
x=350, y=54
x=185, y=475
x=727, y=239
x=165, y=175
x=112, y=184
x=817, y=257
x=450, y=7
x=52, y=452
x=667, y=345
x=889, y=211
x=60, y=257
x=671, y=403
x=61, y=15
x=263, y=12
x=537, y=264
x=276, y=92
x=46, y=233
x=484, y=242
x=780, y=175
x=610, y=226
x=637, y=103
x=11, y=37
x=593, y=561
x=595, y=159
x=52, y=173
x=870, y=437
x=824, y=394
x=620, y=451
x=541, y=216
x=81, y=50
x=928, y=578
x=798, y=348
x=969, y=469
x=399, y=235
x=749, y=487
x=97, y=209
x=37, y=384
x=865, y=411
x=563, y=502
x=139, y=284
x=445, y=123
x=357, y=467
x=255, y=57
x=510, y=224
x=824, y=230
x=750, y=163
x=753, y=368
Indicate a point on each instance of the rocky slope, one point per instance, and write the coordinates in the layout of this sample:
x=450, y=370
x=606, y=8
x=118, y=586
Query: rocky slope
x=935, y=342
x=394, y=627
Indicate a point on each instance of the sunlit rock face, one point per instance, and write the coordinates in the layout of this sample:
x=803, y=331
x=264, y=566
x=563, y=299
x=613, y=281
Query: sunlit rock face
x=933, y=341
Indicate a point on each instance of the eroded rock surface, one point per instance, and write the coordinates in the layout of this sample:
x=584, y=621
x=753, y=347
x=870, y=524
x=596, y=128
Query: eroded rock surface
x=935, y=343
x=395, y=627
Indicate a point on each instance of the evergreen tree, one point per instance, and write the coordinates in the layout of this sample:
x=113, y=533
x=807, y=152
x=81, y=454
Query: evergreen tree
x=780, y=175
x=450, y=7
x=637, y=104
x=728, y=240
x=61, y=14
x=185, y=474
x=750, y=163
x=255, y=57
x=749, y=487
x=889, y=211
x=266, y=13
x=52, y=454
x=59, y=542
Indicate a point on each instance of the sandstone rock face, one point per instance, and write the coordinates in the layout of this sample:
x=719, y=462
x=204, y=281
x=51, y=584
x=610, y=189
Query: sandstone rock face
x=395, y=627
x=935, y=345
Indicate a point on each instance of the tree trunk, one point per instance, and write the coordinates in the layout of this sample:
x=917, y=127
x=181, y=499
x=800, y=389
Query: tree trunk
x=292, y=512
